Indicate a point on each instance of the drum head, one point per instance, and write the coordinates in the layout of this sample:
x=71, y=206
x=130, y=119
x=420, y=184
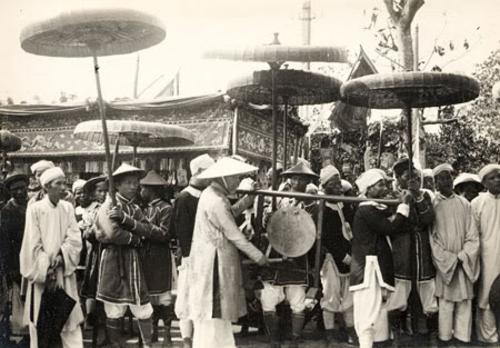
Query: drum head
x=291, y=231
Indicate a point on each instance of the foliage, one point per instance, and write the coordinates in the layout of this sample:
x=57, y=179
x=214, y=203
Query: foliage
x=474, y=139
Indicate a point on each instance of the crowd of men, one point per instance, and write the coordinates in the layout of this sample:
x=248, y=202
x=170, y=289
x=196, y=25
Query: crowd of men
x=427, y=265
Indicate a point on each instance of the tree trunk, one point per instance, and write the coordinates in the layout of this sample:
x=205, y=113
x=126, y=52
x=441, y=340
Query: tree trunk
x=404, y=42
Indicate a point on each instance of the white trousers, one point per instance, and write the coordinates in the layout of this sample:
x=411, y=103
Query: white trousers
x=336, y=294
x=486, y=328
x=117, y=311
x=271, y=295
x=163, y=299
x=426, y=291
x=69, y=339
x=455, y=320
x=213, y=333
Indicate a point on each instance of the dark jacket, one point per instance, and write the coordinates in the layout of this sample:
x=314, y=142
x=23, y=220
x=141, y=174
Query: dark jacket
x=13, y=218
x=332, y=238
x=121, y=276
x=183, y=217
x=370, y=230
x=155, y=252
x=411, y=249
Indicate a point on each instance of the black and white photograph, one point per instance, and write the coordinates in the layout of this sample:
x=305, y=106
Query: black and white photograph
x=246, y=174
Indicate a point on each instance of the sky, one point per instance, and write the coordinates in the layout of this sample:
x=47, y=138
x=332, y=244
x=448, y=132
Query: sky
x=192, y=27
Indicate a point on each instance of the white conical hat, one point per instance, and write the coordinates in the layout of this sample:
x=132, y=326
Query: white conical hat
x=227, y=166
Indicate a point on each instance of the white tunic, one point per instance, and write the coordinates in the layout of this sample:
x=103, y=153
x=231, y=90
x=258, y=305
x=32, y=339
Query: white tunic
x=486, y=214
x=455, y=248
x=48, y=230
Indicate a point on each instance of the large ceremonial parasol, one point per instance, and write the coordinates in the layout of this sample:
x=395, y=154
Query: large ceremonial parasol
x=275, y=55
x=93, y=33
x=135, y=133
x=292, y=87
x=407, y=90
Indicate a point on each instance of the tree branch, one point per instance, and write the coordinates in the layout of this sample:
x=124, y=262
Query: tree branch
x=409, y=10
x=395, y=16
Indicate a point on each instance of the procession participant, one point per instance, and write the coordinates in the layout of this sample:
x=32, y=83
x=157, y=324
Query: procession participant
x=49, y=255
x=215, y=298
x=428, y=180
x=79, y=194
x=413, y=265
x=486, y=213
x=183, y=218
x=455, y=249
x=13, y=216
x=155, y=254
x=372, y=268
x=122, y=283
x=95, y=189
x=336, y=237
x=467, y=185
x=37, y=169
x=290, y=280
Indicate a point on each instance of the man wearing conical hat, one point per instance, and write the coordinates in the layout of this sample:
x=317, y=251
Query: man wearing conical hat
x=13, y=216
x=215, y=297
x=37, y=170
x=288, y=282
x=486, y=217
x=121, y=230
x=49, y=256
x=155, y=253
x=183, y=218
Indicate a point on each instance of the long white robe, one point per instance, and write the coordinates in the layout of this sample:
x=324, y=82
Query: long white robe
x=486, y=216
x=48, y=230
x=455, y=248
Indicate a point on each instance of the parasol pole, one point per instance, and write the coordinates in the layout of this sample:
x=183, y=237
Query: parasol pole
x=134, y=155
x=285, y=133
x=274, y=68
x=115, y=153
x=104, y=131
x=408, y=113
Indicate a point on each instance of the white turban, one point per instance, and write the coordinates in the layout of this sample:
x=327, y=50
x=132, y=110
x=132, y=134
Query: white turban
x=246, y=184
x=369, y=178
x=487, y=169
x=346, y=185
x=78, y=184
x=445, y=167
x=312, y=189
x=327, y=173
x=200, y=163
x=466, y=177
x=427, y=172
x=42, y=165
x=50, y=175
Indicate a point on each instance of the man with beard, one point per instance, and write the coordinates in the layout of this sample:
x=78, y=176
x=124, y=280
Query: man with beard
x=486, y=213
x=49, y=256
x=12, y=230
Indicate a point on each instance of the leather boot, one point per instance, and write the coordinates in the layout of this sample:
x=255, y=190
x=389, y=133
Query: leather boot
x=146, y=328
x=156, y=318
x=272, y=326
x=167, y=315
x=297, y=326
x=114, y=332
